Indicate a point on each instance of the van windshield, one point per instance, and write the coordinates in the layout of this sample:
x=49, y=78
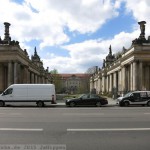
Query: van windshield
x=128, y=94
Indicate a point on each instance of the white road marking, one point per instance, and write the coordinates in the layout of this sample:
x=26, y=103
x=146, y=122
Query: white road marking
x=83, y=114
x=109, y=129
x=10, y=114
x=20, y=129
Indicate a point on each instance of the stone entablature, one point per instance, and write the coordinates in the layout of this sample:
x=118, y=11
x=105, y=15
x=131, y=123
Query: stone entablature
x=15, y=65
x=128, y=71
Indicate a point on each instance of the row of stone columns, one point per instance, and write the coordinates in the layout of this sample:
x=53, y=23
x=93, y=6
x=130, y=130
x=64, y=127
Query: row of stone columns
x=129, y=77
x=18, y=73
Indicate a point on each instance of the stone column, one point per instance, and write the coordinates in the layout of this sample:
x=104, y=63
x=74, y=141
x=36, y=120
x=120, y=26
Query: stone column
x=147, y=78
x=114, y=80
x=15, y=72
x=135, y=76
x=140, y=76
x=35, y=78
x=127, y=78
x=98, y=88
x=1, y=78
x=107, y=90
x=119, y=82
x=10, y=73
x=46, y=80
x=26, y=75
x=43, y=80
x=123, y=73
x=110, y=83
x=131, y=77
x=19, y=72
x=31, y=77
x=103, y=84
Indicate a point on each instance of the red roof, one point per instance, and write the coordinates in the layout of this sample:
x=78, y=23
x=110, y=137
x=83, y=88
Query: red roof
x=83, y=75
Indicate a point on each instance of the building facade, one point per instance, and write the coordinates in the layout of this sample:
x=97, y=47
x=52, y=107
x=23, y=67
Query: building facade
x=15, y=65
x=74, y=83
x=126, y=71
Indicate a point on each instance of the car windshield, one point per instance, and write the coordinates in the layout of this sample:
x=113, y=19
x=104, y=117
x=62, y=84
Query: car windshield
x=83, y=95
x=128, y=94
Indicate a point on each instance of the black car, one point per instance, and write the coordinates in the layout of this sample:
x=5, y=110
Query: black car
x=87, y=99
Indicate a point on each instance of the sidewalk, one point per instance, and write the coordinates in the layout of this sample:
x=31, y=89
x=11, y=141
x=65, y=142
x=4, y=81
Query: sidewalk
x=111, y=101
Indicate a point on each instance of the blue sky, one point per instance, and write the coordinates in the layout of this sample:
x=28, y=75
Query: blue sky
x=74, y=35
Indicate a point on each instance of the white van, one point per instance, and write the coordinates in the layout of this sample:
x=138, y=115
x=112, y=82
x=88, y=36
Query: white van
x=38, y=93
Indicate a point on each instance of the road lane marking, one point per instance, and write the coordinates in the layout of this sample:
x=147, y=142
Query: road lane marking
x=146, y=113
x=20, y=129
x=109, y=129
x=83, y=114
x=10, y=113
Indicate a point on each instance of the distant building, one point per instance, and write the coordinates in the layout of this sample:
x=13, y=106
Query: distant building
x=75, y=83
x=15, y=65
x=129, y=70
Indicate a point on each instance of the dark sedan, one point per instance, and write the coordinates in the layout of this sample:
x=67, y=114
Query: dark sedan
x=86, y=100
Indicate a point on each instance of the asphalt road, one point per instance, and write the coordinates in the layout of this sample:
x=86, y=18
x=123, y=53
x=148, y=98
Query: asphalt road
x=79, y=128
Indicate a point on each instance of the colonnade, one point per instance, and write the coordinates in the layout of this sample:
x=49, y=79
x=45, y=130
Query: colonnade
x=131, y=76
x=15, y=72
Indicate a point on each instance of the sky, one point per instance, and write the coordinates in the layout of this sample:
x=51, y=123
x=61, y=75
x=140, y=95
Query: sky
x=74, y=35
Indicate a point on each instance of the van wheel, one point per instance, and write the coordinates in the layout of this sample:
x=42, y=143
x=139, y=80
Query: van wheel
x=148, y=104
x=2, y=104
x=40, y=104
x=126, y=104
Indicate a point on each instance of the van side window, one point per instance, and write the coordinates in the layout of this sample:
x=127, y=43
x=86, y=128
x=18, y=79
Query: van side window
x=136, y=95
x=148, y=94
x=143, y=94
x=8, y=91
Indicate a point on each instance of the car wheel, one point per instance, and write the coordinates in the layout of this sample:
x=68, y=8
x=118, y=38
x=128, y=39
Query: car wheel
x=148, y=104
x=72, y=104
x=2, y=104
x=40, y=104
x=126, y=104
x=98, y=104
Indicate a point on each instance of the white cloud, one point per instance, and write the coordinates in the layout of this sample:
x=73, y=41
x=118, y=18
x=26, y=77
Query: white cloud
x=89, y=53
x=45, y=20
x=139, y=9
